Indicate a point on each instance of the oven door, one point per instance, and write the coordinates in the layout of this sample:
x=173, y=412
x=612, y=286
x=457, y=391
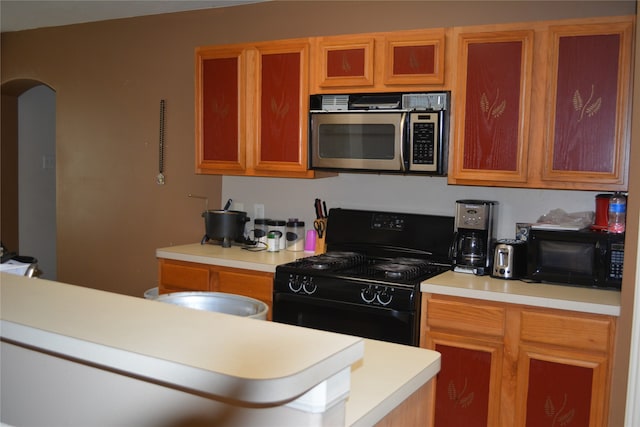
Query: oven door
x=373, y=322
x=370, y=140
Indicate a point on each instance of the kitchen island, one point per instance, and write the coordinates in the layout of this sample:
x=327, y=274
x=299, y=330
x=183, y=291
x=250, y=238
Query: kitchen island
x=88, y=357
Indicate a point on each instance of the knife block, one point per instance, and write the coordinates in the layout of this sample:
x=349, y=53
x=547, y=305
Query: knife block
x=321, y=245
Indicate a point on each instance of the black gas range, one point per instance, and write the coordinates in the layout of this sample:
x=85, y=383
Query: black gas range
x=368, y=282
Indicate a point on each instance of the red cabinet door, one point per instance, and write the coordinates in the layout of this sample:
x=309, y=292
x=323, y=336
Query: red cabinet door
x=414, y=58
x=495, y=80
x=587, y=126
x=282, y=100
x=220, y=105
x=345, y=61
x=468, y=384
x=561, y=388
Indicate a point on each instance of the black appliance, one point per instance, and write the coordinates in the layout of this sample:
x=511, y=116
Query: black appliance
x=583, y=258
x=471, y=250
x=368, y=282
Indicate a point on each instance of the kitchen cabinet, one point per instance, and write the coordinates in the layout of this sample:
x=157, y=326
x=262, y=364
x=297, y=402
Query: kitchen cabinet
x=563, y=368
x=394, y=61
x=543, y=104
x=588, y=105
x=251, y=109
x=494, y=85
x=179, y=276
x=182, y=276
x=508, y=364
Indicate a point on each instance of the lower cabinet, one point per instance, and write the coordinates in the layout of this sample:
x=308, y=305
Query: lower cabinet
x=181, y=276
x=506, y=365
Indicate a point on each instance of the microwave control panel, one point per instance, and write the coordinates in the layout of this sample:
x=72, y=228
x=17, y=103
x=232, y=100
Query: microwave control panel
x=424, y=141
x=616, y=261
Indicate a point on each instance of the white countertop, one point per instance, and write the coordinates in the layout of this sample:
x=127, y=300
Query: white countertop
x=235, y=256
x=574, y=298
x=181, y=347
x=386, y=376
x=197, y=350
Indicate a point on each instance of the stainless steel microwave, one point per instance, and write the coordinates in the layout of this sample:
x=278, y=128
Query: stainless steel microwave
x=389, y=132
x=582, y=258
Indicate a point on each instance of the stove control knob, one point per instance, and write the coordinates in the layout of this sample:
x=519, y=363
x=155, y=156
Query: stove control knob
x=294, y=283
x=368, y=294
x=308, y=287
x=384, y=296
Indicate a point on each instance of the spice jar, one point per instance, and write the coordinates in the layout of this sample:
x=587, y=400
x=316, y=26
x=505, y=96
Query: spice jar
x=260, y=229
x=279, y=226
x=295, y=235
x=273, y=242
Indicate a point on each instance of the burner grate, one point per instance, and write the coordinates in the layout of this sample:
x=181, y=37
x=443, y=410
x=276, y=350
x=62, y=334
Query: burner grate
x=393, y=270
x=358, y=265
x=331, y=261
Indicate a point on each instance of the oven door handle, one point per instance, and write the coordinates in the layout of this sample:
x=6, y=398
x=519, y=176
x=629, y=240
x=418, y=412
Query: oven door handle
x=404, y=316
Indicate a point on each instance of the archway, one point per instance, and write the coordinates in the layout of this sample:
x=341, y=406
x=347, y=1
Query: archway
x=28, y=179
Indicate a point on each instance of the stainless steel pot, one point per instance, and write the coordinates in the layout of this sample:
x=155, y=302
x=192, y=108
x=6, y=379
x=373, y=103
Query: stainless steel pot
x=220, y=302
x=224, y=225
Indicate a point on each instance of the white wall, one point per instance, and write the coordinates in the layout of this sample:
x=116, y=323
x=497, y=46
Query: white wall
x=37, y=177
x=286, y=198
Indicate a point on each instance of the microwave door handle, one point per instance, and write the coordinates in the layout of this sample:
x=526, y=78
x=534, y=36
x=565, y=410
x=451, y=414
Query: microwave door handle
x=404, y=141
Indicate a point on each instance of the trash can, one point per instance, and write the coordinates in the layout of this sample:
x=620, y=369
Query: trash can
x=151, y=293
x=219, y=302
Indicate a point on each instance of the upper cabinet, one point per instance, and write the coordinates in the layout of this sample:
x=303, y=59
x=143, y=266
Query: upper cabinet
x=494, y=90
x=402, y=60
x=535, y=104
x=344, y=61
x=251, y=109
x=588, y=108
x=543, y=105
x=220, y=108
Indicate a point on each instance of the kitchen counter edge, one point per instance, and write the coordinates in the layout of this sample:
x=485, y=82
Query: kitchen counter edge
x=572, y=298
x=53, y=323
x=233, y=257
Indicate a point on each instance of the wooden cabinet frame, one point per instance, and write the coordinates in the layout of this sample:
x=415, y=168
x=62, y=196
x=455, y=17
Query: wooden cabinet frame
x=184, y=276
x=259, y=145
x=492, y=105
x=221, y=109
x=537, y=144
x=598, y=363
x=516, y=335
x=587, y=104
x=373, y=57
x=428, y=39
x=346, y=50
x=494, y=349
x=300, y=106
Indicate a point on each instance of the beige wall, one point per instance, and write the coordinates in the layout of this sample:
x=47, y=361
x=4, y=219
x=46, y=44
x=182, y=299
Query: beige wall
x=109, y=78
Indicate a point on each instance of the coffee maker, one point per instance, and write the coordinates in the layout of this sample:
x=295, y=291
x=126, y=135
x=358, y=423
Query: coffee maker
x=471, y=250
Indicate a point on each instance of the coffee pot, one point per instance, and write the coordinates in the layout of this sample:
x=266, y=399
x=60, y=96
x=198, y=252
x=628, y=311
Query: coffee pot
x=472, y=249
x=474, y=235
